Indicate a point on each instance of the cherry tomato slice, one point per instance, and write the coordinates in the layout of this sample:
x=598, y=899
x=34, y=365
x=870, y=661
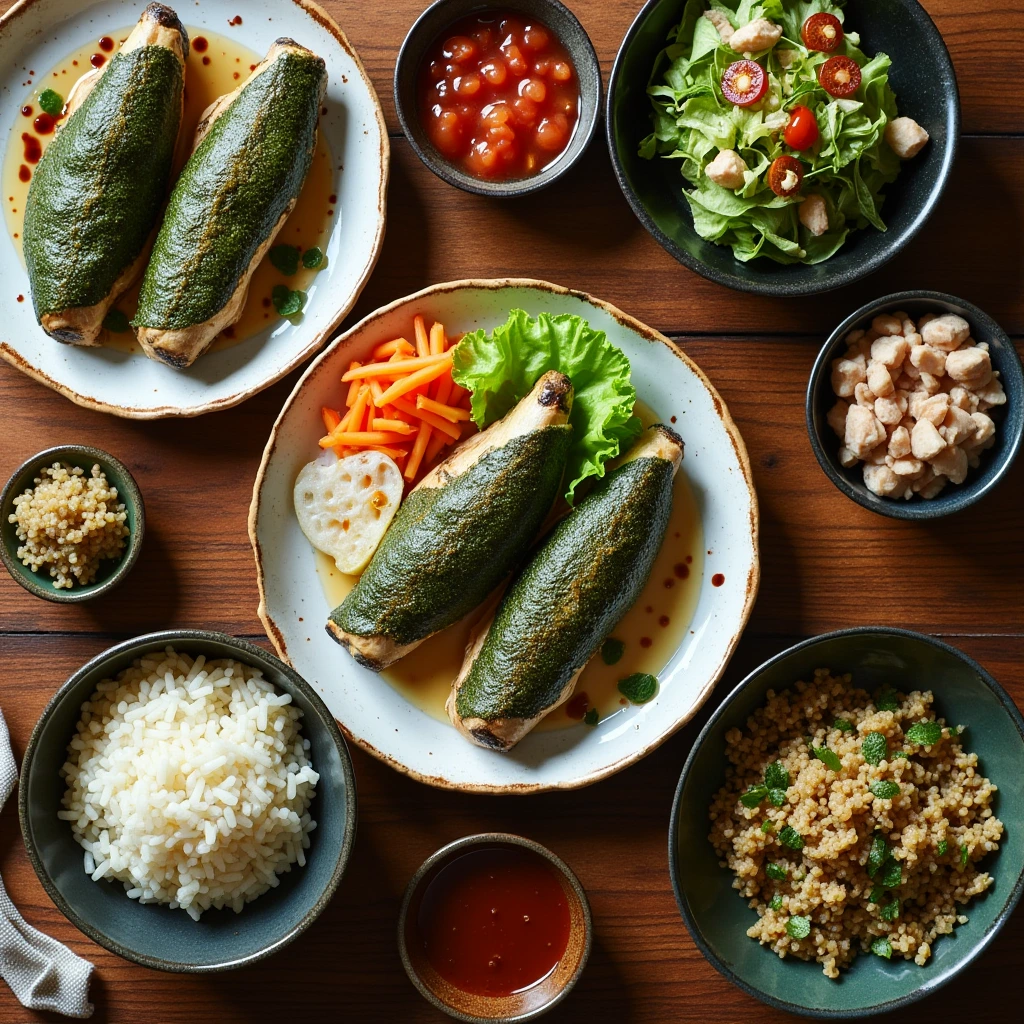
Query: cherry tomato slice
x=785, y=176
x=744, y=82
x=822, y=32
x=802, y=130
x=839, y=76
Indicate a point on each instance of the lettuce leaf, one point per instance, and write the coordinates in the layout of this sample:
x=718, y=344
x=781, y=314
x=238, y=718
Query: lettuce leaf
x=500, y=368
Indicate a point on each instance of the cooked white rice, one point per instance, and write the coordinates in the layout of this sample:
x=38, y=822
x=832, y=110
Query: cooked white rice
x=190, y=782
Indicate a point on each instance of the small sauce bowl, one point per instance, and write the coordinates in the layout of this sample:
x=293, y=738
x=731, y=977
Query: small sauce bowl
x=525, y=1004
x=112, y=571
x=432, y=24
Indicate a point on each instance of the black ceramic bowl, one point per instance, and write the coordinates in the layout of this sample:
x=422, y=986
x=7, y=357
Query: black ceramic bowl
x=1009, y=418
x=925, y=85
x=432, y=24
x=154, y=935
x=718, y=917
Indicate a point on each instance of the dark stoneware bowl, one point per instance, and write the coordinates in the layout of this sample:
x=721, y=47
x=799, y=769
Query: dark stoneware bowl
x=112, y=571
x=925, y=85
x=154, y=935
x=432, y=24
x=1009, y=418
x=718, y=917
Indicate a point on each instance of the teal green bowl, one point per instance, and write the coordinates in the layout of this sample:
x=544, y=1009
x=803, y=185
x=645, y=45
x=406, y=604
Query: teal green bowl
x=718, y=917
x=154, y=935
x=112, y=570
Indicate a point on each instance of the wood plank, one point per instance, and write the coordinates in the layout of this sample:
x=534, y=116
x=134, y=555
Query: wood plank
x=826, y=561
x=644, y=968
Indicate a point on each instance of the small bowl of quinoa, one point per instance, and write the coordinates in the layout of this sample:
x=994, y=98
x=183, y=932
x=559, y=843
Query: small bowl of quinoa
x=847, y=834
x=71, y=523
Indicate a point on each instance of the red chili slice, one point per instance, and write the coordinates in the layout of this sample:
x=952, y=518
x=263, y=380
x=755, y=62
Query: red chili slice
x=822, y=32
x=839, y=76
x=744, y=82
x=780, y=174
x=802, y=130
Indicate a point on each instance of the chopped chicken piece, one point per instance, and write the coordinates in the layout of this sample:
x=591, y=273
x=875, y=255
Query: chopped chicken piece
x=925, y=440
x=846, y=375
x=899, y=443
x=881, y=480
x=722, y=23
x=934, y=409
x=890, y=351
x=888, y=411
x=864, y=431
x=947, y=332
x=991, y=394
x=928, y=358
x=760, y=34
x=957, y=427
x=906, y=137
x=879, y=379
x=813, y=214
x=837, y=418
x=727, y=169
x=846, y=458
x=908, y=467
x=970, y=366
x=887, y=324
x=952, y=463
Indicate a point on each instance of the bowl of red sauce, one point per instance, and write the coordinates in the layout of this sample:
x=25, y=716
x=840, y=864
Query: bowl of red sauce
x=500, y=99
x=494, y=927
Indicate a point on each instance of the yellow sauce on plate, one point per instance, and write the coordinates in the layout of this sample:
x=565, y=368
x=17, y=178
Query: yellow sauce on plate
x=652, y=630
x=212, y=70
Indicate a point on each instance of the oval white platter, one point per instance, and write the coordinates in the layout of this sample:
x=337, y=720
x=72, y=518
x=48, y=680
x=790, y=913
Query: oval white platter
x=38, y=34
x=377, y=717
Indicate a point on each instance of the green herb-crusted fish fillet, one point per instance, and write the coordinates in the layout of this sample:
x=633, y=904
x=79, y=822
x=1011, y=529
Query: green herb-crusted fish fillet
x=555, y=614
x=461, y=531
x=254, y=148
x=96, y=196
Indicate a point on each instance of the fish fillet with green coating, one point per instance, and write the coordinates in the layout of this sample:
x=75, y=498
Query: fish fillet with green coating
x=253, y=150
x=96, y=197
x=586, y=575
x=461, y=531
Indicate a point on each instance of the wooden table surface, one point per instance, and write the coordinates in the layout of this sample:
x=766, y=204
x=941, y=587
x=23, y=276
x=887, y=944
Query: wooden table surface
x=826, y=563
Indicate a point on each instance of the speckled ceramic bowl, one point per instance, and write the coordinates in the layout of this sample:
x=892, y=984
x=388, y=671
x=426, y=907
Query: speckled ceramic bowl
x=112, y=570
x=154, y=935
x=718, y=917
x=925, y=84
x=521, y=1006
x=1009, y=418
x=432, y=23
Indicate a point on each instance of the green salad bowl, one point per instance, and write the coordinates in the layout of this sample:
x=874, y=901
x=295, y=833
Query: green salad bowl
x=718, y=917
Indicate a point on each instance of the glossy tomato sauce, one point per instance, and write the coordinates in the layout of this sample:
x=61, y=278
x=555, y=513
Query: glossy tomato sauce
x=499, y=96
x=494, y=921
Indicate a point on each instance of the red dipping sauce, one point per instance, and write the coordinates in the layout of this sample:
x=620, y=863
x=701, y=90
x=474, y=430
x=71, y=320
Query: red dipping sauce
x=498, y=95
x=494, y=921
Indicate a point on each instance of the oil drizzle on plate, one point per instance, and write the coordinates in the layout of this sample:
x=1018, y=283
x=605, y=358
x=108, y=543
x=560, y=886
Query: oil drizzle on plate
x=216, y=65
x=651, y=631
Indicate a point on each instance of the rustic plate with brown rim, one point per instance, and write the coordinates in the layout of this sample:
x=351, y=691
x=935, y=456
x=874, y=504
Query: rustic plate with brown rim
x=45, y=44
x=683, y=627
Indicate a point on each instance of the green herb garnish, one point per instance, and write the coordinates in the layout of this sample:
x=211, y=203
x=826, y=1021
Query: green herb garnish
x=776, y=902
x=798, y=927
x=52, y=102
x=313, y=258
x=767, y=826
x=612, y=650
x=287, y=302
x=876, y=894
x=874, y=747
x=789, y=836
x=843, y=725
x=638, y=688
x=753, y=796
x=890, y=911
x=591, y=717
x=885, y=789
x=877, y=854
x=286, y=259
x=943, y=848
x=887, y=699
x=116, y=322
x=829, y=758
x=925, y=734
x=882, y=947
x=776, y=782
x=776, y=776
x=776, y=871
x=892, y=874
x=965, y=856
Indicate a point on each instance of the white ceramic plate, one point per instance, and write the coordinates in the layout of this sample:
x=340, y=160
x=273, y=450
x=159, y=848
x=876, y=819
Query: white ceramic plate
x=376, y=716
x=38, y=34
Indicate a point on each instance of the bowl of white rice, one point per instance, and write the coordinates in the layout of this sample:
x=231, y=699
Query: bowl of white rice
x=187, y=801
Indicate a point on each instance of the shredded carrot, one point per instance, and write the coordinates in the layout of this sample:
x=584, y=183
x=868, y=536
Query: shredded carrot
x=417, y=379
x=447, y=411
x=392, y=453
x=398, y=367
x=396, y=426
x=437, y=442
x=331, y=418
x=419, y=448
x=358, y=412
x=437, y=340
x=437, y=422
x=389, y=348
x=361, y=437
x=353, y=391
x=422, y=342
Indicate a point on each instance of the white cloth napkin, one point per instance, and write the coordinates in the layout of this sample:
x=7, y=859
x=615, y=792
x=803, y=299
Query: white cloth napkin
x=42, y=973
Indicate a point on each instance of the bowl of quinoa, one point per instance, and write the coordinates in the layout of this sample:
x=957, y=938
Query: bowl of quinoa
x=840, y=843
x=72, y=521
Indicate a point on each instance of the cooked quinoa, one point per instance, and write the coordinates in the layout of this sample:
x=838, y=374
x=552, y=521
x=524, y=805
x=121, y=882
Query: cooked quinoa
x=877, y=855
x=68, y=523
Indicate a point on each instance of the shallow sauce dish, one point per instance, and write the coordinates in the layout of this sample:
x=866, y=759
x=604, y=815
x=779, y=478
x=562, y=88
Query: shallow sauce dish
x=925, y=84
x=718, y=917
x=1009, y=418
x=154, y=935
x=119, y=379
x=380, y=718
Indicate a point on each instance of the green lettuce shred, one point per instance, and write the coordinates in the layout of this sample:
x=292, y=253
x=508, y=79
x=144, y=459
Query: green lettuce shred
x=500, y=368
x=849, y=165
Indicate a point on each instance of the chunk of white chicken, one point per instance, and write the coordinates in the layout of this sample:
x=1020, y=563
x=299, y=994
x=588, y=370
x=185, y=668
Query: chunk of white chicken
x=906, y=137
x=814, y=214
x=722, y=23
x=759, y=34
x=727, y=169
